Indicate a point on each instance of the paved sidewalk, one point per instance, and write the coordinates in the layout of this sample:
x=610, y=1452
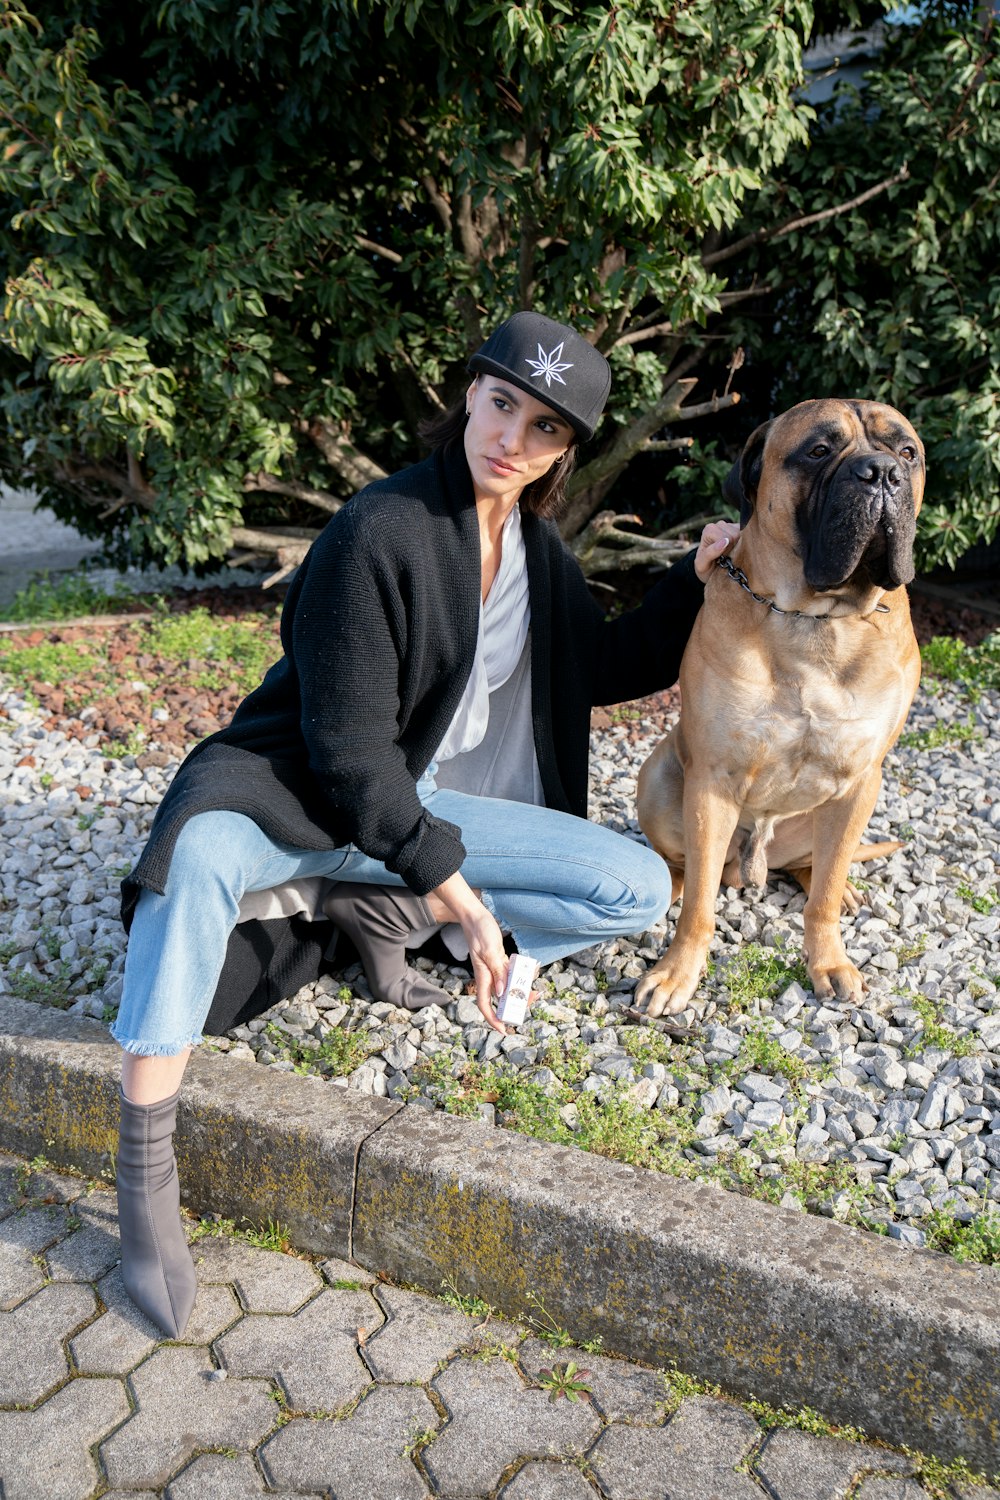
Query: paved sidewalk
x=34, y=542
x=317, y=1379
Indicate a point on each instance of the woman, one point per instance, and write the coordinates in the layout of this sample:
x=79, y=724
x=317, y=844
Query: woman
x=423, y=743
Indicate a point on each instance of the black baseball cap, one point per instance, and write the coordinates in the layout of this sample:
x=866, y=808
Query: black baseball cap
x=553, y=363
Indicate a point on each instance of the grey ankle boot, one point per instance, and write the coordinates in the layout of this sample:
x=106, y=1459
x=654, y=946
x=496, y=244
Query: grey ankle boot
x=157, y=1268
x=378, y=919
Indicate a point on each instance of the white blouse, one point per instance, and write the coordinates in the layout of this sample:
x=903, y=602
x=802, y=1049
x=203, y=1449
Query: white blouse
x=503, y=630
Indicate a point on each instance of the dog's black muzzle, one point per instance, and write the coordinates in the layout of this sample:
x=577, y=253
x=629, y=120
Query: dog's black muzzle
x=862, y=529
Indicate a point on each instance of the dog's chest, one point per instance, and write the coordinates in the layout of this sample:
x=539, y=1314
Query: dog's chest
x=804, y=742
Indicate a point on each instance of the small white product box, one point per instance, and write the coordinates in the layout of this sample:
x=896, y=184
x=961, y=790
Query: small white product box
x=512, y=1006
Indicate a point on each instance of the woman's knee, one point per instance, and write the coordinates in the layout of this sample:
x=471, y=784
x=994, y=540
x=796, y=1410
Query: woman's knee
x=651, y=885
x=632, y=888
x=208, y=848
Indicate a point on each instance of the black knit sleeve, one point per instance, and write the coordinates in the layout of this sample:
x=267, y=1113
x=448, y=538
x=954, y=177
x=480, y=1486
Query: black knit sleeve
x=640, y=652
x=636, y=653
x=348, y=637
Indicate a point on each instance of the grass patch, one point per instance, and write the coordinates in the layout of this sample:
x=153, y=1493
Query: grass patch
x=765, y=1054
x=268, y=1236
x=338, y=1053
x=52, y=990
x=974, y=669
x=67, y=598
x=58, y=663
x=759, y=973
x=934, y=1033
x=982, y=903
x=244, y=647
x=960, y=732
x=977, y=1242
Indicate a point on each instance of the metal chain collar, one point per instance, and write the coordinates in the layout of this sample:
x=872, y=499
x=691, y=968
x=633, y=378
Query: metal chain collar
x=744, y=583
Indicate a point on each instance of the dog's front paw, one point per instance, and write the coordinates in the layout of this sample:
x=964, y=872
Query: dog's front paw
x=667, y=987
x=838, y=981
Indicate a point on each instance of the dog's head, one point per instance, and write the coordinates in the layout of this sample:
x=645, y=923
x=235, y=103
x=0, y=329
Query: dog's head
x=840, y=483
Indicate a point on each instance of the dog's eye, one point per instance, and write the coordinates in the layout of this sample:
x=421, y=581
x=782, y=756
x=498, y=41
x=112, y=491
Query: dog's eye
x=909, y=453
x=820, y=451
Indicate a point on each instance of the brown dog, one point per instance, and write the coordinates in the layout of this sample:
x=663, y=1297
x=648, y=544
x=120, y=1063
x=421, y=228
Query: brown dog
x=795, y=683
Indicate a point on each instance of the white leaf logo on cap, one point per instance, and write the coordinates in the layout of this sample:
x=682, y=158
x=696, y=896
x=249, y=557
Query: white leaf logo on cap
x=548, y=365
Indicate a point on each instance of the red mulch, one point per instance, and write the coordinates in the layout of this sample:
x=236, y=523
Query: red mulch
x=84, y=706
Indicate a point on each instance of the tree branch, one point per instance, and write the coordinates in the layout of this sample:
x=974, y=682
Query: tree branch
x=439, y=200
x=273, y=484
x=424, y=386
x=603, y=548
x=132, y=487
x=664, y=445
x=729, y=299
x=628, y=440
x=472, y=245
x=760, y=236
x=269, y=538
x=376, y=249
x=638, y=335
x=342, y=456
x=588, y=486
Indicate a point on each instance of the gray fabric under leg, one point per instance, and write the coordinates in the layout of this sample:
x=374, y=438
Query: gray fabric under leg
x=379, y=919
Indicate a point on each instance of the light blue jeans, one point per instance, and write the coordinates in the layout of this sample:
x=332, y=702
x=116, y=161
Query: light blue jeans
x=556, y=882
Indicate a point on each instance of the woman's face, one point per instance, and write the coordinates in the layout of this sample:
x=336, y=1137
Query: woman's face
x=511, y=439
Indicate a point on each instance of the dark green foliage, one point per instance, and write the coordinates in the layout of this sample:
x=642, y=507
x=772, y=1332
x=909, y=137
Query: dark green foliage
x=899, y=301
x=236, y=234
x=250, y=247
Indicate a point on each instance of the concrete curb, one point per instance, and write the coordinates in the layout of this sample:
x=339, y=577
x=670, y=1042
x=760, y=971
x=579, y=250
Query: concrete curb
x=791, y=1308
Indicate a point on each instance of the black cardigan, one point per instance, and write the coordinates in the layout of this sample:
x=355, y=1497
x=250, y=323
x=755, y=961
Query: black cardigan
x=379, y=634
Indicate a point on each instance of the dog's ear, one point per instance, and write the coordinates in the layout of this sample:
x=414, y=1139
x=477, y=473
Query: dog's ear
x=740, y=486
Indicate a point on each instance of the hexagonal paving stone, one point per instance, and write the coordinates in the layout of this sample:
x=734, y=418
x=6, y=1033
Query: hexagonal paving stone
x=44, y=1454
x=493, y=1420
x=693, y=1458
x=313, y=1353
x=345, y=1271
x=23, y=1235
x=419, y=1333
x=220, y=1477
x=891, y=1489
x=362, y=1457
x=91, y=1250
x=117, y=1340
x=179, y=1410
x=31, y=1341
x=122, y=1336
x=797, y=1466
x=548, y=1481
x=47, y=1185
x=265, y=1280
x=622, y=1391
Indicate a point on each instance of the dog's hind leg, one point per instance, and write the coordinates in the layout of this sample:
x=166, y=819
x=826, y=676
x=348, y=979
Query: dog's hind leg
x=853, y=898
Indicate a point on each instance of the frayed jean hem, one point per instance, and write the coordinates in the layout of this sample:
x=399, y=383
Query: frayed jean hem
x=137, y=1047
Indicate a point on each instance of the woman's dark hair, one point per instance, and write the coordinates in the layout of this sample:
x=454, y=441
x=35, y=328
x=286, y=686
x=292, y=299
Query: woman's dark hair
x=545, y=497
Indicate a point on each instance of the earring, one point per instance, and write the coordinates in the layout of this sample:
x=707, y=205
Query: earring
x=560, y=459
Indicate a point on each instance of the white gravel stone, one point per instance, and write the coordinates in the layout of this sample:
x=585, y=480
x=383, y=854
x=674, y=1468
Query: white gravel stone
x=917, y=1126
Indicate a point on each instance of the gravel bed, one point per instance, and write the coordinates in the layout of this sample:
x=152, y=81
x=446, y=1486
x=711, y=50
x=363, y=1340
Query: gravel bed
x=877, y=1114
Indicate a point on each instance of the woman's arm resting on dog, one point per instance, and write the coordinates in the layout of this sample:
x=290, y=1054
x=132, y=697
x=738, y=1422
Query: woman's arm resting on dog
x=640, y=652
